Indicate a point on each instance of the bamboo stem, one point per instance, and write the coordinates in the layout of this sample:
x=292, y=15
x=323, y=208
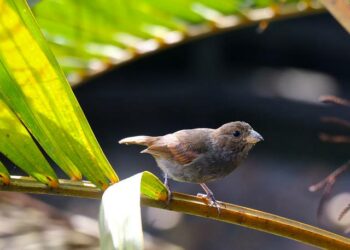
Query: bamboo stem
x=193, y=205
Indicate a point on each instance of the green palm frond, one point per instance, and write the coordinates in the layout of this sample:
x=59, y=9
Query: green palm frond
x=18, y=146
x=4, y=175
x=90, y=37
x=34, y=89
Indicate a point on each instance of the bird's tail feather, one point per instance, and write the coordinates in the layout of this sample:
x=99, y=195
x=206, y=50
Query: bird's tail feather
x=140, y=140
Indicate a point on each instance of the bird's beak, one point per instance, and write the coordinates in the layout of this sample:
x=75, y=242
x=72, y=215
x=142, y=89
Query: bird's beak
x=254, y=137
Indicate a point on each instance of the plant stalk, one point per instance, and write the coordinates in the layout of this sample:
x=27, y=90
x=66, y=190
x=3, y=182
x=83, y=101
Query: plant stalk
x=193, y=205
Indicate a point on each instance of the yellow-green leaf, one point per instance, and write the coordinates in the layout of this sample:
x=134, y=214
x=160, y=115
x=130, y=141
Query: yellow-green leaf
x=4, y=174
x=120, y=213
x=17, y=145
x=34, y=86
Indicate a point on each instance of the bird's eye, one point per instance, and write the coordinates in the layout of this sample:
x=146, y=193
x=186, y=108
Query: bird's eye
x=236, y=133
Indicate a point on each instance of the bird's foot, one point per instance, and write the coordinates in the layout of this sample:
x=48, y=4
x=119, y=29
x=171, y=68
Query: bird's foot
x=169, y=197
x=211, y=199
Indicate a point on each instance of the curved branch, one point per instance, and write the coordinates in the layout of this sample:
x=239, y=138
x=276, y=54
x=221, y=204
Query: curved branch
x=193, y=205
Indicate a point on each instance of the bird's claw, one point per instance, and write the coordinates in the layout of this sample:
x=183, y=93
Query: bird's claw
x=169, y=197
x=211, y=199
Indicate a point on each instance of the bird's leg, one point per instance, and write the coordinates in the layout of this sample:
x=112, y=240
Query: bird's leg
x=166, y=184
x=210, y=196
x=166, y=181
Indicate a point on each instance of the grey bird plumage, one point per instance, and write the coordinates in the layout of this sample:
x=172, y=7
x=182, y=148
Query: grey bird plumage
x=200, y=155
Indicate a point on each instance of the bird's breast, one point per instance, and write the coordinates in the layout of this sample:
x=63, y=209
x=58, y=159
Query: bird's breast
x=201, y=170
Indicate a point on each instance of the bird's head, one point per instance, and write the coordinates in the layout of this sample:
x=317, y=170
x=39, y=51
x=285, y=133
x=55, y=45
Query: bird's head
x=236, y=135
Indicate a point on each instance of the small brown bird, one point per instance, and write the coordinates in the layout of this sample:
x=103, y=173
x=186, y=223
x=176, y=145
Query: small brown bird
x=200, y=155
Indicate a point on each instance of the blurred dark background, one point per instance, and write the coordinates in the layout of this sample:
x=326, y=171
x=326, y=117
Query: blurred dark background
x=272, y=80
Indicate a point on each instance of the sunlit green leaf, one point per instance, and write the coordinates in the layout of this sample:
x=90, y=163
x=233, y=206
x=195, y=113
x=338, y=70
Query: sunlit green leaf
x=34, y=86
x=4, y=174
x=17, y=144
x=89, y=37
x=120, y=213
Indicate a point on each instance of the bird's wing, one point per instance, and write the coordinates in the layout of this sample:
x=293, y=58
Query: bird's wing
x=183, y=146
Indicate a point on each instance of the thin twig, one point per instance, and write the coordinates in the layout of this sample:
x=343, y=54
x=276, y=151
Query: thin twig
x=327, y=185
x=335, y=120
x=334, y=100
x=329, y=181
x=330, y=178
x=334, y=138
x=344, y=212
x=193, y=205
